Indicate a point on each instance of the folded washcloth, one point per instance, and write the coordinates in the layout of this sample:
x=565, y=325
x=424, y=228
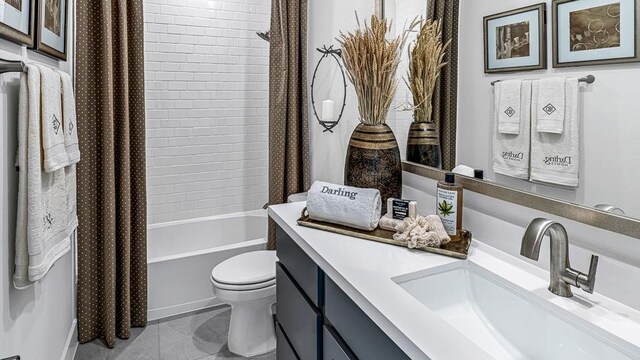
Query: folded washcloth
x=53, y=145
x=69, y=124
x=551, y=105
x=511, y=152
x=509, y=94
x=43, y=212
x=555, y=158
x=425, y=231
x=389, y=223
x=344, y=205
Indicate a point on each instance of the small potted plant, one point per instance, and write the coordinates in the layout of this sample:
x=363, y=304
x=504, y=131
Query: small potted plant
x=371, y=61
x=426, y=59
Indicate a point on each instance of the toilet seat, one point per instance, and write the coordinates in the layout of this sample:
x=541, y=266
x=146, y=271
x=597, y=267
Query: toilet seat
x=243, y=287
x=247, y=271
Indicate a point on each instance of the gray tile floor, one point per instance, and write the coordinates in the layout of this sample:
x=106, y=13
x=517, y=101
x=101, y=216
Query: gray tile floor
x=201, y=335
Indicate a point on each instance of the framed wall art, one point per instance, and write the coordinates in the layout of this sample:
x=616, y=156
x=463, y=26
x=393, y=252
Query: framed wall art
x=17, y=21
x=592, y=32
x=52, y=28
x=515, y=40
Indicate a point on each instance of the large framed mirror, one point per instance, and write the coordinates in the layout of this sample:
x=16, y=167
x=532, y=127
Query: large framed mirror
x=607, y=150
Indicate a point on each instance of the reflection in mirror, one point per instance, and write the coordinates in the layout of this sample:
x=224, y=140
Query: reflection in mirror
x=425, y=112
x=604, y=151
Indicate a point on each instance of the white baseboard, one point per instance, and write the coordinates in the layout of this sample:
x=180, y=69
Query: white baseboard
x=72, y=342
x=161, y=313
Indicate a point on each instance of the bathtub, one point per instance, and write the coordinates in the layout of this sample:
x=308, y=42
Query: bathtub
x=181, y=255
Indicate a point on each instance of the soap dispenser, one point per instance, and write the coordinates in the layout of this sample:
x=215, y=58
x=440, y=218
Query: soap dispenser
x=449, y=206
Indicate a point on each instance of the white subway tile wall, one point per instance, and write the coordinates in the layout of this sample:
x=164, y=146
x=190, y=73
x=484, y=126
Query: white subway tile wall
x=206, y=80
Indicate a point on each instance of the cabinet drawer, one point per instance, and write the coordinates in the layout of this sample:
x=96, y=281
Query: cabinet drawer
x=332, y=348
x=364, y=337
x=284, y=351
x=302, y=269
x=299, y=320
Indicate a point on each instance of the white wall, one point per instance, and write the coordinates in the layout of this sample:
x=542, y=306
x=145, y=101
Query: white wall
x=206, y=74
x=610, y=129
x=35, y=323
x=329, y=150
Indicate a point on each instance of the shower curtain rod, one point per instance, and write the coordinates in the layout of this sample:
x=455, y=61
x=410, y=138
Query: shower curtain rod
x=589, y=79
x=12, y=66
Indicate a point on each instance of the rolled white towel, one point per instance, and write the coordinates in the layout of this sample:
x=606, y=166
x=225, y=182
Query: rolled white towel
x=464, y=170
x=344, y=205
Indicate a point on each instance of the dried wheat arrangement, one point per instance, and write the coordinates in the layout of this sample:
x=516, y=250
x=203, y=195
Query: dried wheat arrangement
x=371, y=62
x=426, y=58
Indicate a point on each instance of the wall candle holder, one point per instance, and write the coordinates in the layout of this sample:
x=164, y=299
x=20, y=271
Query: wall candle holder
x=335, y=54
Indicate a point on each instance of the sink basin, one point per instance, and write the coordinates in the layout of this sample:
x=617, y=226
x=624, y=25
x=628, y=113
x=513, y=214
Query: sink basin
x=506, y=320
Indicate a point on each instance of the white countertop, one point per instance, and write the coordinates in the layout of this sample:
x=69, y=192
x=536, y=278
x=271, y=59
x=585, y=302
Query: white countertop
x=364, y=270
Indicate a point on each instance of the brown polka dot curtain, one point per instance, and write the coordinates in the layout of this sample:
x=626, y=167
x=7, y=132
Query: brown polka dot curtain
x=445, y=97
x=112, y=249
x=288, y=114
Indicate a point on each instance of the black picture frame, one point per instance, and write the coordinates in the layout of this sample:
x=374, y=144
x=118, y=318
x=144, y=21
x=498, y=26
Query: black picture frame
x=542, y=43
x=14, y=35
x=44, y=48
x=555, y=40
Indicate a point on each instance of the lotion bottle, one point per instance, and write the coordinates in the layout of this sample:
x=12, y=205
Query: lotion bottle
x=449, y=206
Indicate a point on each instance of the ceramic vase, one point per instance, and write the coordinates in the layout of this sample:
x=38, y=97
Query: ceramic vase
x=373, y=161
x=423, y=144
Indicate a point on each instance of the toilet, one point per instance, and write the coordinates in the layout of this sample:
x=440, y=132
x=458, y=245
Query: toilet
x=247, y=282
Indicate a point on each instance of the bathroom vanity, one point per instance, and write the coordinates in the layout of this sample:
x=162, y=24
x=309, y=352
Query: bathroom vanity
x=345, y=298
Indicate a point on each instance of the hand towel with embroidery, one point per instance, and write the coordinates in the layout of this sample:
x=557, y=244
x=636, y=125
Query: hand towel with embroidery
x=555, y=158
x=511, y=151
x=551, y=105
x=53, y=145
x=42, y=235
x=509, y=105
x=69, y=123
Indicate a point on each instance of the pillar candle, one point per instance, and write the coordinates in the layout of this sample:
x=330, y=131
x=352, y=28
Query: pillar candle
x=327, y=110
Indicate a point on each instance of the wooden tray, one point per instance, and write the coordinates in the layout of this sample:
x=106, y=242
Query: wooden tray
x=459, y=249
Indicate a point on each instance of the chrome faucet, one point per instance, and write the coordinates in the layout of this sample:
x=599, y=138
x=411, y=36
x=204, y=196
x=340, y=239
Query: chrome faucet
x=561, y=273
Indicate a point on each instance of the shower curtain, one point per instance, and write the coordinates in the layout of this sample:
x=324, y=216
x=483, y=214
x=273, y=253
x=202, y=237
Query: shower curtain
x=288, y=113
x=112, y=249
x=445, y=97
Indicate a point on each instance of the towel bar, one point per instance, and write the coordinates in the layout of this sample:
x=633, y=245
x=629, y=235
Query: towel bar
x=12, y=66
x=589, y=79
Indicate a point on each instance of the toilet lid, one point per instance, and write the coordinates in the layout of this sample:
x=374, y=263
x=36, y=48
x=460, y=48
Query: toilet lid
x=249, y=268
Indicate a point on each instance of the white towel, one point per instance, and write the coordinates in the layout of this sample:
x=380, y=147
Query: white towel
x=551, y=100
x=511, y=152
x=69, y=124
x=43, y=211
x=55, y=153
x=344, y=205
x=509, y=94
x=555, y=158
x=21, y=268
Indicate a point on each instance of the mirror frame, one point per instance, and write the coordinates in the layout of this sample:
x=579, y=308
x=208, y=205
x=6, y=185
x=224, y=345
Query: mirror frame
x=590, y=216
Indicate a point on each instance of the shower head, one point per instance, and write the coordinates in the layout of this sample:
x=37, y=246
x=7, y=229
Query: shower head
x=263, y=35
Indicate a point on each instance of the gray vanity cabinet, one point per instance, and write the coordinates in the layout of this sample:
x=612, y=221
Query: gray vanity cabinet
x=316, y=319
